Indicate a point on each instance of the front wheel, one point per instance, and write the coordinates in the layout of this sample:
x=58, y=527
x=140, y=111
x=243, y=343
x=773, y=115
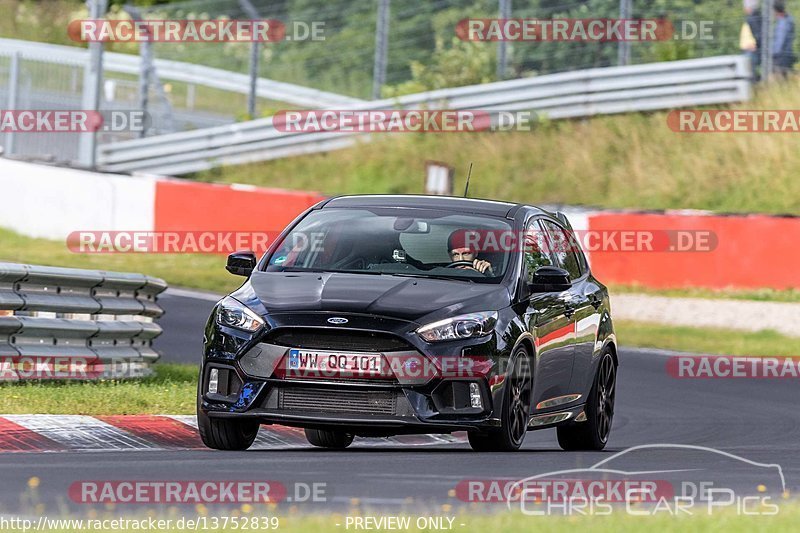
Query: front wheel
x=322, y=438
x=516, y=410
x=226, y=433
x=593, y=434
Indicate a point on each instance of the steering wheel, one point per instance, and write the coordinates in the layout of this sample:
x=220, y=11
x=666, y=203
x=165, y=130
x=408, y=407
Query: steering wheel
x=455, y=264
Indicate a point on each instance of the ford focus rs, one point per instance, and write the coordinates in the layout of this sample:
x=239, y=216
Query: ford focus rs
x=380, y=315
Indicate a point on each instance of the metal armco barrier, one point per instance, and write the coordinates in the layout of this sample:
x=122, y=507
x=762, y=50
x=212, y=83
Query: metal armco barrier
x=68, y=314
x=224, y=80
x=583, y=93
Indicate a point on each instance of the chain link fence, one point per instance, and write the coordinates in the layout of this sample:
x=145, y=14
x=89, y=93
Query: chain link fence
x=423, y=51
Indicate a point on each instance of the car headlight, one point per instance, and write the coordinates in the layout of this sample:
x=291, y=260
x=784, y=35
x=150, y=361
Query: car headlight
x=460, y=327
x=234, y=314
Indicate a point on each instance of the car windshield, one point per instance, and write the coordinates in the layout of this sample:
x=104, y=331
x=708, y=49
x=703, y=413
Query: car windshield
x=394, y=241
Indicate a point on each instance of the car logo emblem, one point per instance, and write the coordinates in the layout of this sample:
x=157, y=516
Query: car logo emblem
x=338, y=320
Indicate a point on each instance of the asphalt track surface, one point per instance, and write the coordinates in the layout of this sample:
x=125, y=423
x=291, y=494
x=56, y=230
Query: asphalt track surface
x=755, y=420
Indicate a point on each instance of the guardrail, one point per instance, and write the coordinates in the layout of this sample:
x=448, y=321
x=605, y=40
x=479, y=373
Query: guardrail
x=583, y=93
x=68, y=323
x=178, y=71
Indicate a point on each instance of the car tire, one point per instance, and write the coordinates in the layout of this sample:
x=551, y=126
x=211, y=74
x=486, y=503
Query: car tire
x=322, y=438
x=516, y=410
x=592, y=435
x=224, y=433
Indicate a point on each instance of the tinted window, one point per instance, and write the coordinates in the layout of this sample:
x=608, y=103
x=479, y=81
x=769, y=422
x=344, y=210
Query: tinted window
x=393, y=241
x=563, y=246
x=535, y=252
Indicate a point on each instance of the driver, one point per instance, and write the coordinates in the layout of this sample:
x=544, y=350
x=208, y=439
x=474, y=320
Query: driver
x=462, y=250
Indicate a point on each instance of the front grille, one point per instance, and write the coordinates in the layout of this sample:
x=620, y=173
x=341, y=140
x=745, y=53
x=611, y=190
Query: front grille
x=323, y=339
x=325, y=400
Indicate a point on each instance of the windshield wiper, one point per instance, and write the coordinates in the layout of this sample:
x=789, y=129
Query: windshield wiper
x=376, y=273
x=423, y=276
x=328, y=271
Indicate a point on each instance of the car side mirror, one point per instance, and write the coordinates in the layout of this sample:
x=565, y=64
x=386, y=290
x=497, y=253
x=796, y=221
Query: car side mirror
x=550, y=279
x=241, y=263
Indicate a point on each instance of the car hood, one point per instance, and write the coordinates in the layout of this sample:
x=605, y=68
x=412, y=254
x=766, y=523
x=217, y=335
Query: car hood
x=391, y=296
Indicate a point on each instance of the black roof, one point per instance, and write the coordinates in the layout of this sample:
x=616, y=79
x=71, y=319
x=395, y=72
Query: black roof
x=449, y=203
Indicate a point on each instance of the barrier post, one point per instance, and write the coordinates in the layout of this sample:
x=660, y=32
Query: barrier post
x=92, y=81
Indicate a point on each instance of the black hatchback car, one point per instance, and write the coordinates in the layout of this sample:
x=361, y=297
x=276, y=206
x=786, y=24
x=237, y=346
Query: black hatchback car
x=378, y=315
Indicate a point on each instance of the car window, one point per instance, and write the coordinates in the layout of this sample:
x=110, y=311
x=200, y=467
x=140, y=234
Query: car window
x=563, y=246
x=394, y=241
x=535, y=252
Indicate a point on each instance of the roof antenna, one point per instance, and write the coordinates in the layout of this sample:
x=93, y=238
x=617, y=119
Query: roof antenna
x=469, y=173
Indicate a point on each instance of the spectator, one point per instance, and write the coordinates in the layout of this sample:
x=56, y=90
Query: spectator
x=783, y=57
x=750, y=36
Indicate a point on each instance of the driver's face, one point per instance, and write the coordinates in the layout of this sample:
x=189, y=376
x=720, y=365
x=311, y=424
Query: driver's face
x=462, y=254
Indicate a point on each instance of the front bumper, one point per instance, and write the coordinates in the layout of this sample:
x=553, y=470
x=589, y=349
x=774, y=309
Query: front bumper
x=251, y=387
x=439, y=406
x=363, y=426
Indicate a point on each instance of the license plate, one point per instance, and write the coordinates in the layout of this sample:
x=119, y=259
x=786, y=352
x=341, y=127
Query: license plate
x=333, y=364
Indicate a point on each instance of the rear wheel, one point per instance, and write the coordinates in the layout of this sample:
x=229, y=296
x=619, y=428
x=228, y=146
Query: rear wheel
x=516, y=410
x=593, y=434
x=324, y=438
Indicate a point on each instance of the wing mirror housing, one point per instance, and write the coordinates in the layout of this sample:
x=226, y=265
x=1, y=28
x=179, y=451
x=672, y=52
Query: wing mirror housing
x=550, y=279
x=241, y=263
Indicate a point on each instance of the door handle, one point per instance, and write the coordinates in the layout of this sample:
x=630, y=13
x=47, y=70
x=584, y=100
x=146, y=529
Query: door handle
x=569, y=311
x=595, y=301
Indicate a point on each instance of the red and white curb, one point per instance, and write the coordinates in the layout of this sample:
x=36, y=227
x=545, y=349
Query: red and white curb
x=81, y=433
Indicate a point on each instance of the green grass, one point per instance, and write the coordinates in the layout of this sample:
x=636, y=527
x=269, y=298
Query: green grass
x=705, y=340
x=173, y=390
x=630, y=161
x=762, y=295
x=201, y=271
